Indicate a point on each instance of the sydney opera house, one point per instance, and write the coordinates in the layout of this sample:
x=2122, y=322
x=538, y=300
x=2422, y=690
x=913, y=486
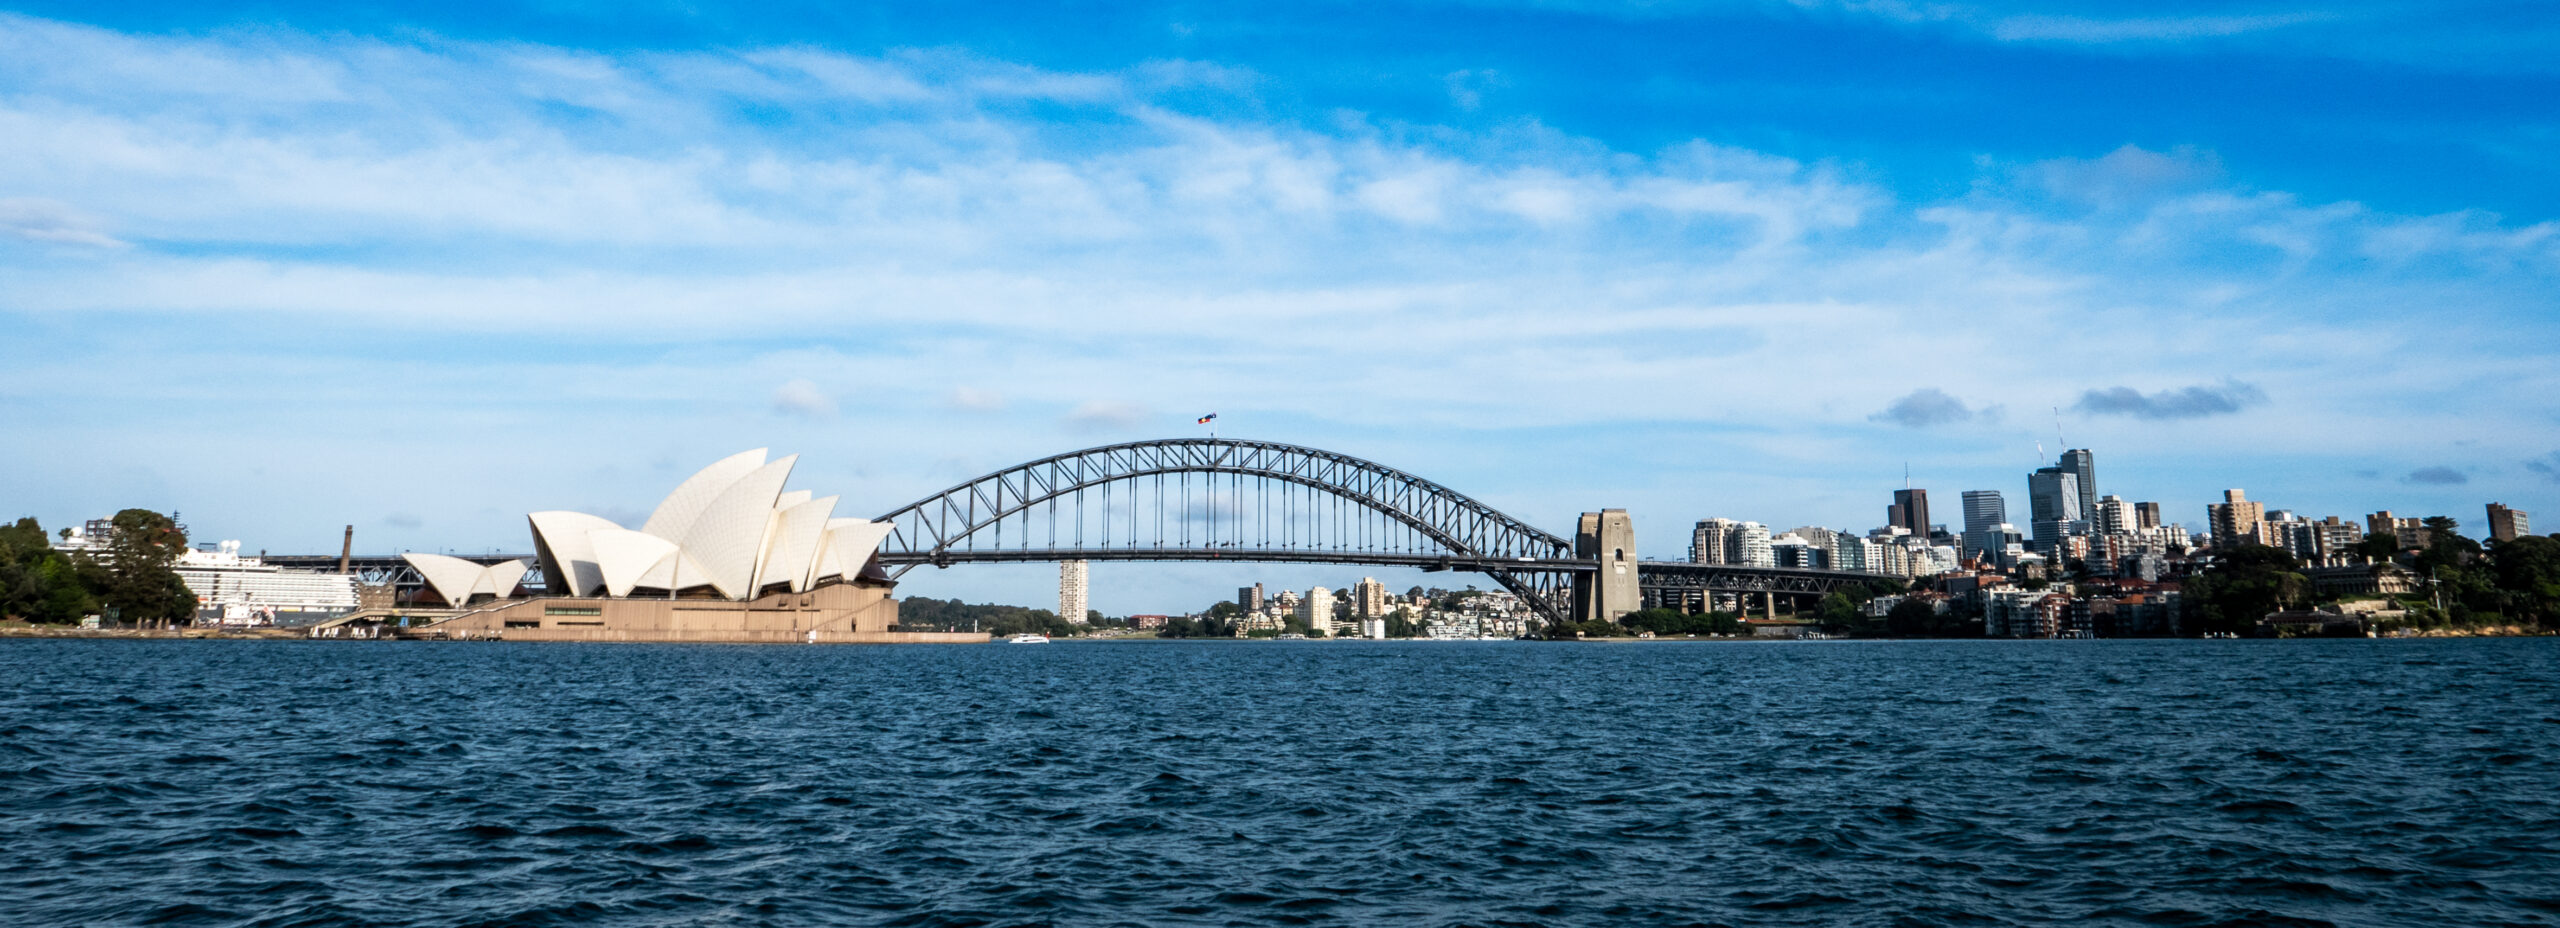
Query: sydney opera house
x=729, y=556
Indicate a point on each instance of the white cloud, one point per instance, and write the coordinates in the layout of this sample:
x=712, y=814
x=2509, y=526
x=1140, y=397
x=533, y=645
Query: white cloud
x=803, y=398
x=2140, y=29
x=915, y=229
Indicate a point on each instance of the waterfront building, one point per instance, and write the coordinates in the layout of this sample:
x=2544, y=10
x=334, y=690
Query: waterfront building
x=1369, y=599
x=1316, y=610
x=728, y=556
x=2507, y=524
x=2236, y=521
x=1249, y=598
x=1072, y=592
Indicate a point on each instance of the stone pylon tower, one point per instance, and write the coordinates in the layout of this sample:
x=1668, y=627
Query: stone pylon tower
x=1608, y=537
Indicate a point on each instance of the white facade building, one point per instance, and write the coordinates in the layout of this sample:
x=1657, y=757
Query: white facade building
x=1072, y=591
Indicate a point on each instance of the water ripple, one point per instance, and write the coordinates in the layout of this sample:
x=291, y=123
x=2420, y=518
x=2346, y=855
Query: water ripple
x=1188, y=783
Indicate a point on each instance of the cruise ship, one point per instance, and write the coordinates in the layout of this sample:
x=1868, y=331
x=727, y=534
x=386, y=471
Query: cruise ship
x=244, y=591
x=235, y=590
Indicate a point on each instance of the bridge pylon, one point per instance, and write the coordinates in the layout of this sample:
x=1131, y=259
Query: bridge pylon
x=1607, y=537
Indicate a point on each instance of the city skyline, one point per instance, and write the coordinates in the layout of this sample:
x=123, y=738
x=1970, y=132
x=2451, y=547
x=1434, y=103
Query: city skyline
x=399, y=267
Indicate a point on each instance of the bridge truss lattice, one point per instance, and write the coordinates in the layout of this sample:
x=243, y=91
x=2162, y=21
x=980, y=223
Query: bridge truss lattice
x=1214, y=499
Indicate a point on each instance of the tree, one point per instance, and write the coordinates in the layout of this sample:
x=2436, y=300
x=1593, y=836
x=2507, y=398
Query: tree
x=1912, y=616
x=2379, y=547
x=135, y=579
x=1400, y=624
x=2528, y=577
x=2241, y=587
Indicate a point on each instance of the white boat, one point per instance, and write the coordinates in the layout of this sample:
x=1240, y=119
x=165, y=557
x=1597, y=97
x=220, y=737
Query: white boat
x=1027, y=638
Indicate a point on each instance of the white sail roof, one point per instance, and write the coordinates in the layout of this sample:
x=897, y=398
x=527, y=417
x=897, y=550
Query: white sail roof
x=730, y=526
x=457, y=580
x=792, y=547
x=560, y=538
x=728, y=539
x=675, y=516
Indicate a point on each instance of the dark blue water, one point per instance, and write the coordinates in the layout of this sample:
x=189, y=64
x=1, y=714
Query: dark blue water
x=1968, y=783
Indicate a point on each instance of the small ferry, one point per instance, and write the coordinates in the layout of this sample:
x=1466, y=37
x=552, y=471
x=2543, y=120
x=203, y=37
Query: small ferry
x=1028, y=638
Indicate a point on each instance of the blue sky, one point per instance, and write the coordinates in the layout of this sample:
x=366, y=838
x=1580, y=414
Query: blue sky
x=423, y=268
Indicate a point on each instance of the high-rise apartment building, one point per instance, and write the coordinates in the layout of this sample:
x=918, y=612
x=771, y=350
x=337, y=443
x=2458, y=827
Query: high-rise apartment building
x=2236, y=521
x=1910, y=510
x=2507, y=524
x=1368, y=598
x=1249, y=598
x=1709, y=542
x=1317, y=610
x=1748, y=546
x=2146, y=516
x=2113, y=516
x=1072, y=592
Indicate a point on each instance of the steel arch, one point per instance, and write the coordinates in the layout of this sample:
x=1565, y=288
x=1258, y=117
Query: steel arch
x=944, y=528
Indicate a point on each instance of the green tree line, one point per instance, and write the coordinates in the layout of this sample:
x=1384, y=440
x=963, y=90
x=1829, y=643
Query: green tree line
x=133, y=584
x=2462, y=582
x=924, y=613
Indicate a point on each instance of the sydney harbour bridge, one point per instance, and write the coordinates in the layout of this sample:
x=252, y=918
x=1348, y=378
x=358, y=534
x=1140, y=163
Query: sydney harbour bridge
x=1223, y=499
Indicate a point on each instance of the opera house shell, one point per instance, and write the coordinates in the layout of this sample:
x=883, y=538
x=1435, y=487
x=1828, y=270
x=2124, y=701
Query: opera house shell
x=729, y=556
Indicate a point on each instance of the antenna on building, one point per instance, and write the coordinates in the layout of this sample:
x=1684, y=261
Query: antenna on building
x=1906, y=475
x=2057, y=429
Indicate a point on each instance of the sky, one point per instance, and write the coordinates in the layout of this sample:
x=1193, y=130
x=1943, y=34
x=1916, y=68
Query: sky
x=423, y=268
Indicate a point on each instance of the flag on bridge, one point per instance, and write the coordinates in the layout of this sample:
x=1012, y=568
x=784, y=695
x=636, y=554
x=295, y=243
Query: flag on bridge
x=1204, y=420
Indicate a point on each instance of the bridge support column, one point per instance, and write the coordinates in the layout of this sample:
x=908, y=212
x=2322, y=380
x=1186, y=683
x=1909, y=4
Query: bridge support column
x=1609, y=538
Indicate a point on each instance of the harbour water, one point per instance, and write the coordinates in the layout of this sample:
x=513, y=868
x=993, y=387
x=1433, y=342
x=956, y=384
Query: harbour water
x=1213, y=783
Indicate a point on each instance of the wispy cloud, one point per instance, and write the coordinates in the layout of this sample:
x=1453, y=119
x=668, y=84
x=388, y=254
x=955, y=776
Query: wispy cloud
x=2140, y=29
x=2547, y=465
x=2437, y=476
x=615, y=236
x=38, y=220
x=803, y=398
x=1105, y=416
x=974, y=399
x=2194, y=402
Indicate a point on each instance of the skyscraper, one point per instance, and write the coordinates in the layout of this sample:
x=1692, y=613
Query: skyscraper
x=1984, y=509
x=1911, y=511
x=2081, y=465
x=2506, y=524
x=1985, y=512
x=1249, y=598
x=2146, y=516
x=2053, y=504
x=1071, y=591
